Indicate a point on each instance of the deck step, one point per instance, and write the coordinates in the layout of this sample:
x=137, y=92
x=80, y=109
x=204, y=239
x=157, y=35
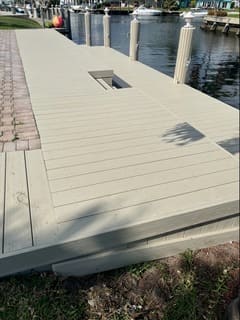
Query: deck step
x=159, y=247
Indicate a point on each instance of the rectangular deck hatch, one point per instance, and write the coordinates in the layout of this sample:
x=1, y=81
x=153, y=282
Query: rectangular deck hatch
x=108, y=80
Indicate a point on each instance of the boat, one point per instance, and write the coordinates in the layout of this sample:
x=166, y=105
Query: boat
x=196, y=12
x=143, y=11
x=76, y=8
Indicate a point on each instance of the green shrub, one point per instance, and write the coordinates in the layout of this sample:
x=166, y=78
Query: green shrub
x=221, y=13
x=48, y=24
x=218, y=13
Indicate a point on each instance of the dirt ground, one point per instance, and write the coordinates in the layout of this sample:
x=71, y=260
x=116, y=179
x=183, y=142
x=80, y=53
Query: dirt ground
x=194, y=285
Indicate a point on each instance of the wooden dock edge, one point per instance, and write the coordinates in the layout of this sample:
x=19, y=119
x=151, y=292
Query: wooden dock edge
x=142, y=253
x=215, y=219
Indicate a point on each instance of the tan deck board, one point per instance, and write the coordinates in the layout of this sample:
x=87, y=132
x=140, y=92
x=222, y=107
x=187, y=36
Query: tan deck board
x=95, y=165
x=2, y=198
x=93, y=156
x=42, y=212
x=81, y=133
x=97, y=125
x=17, y=226
x=183, y=209
x=108, y=103
x=141, y=182
x=107, y=147
x=105, y=152
x=97, y=178
x=191, y=103
x=99, y=112
x=112, y=202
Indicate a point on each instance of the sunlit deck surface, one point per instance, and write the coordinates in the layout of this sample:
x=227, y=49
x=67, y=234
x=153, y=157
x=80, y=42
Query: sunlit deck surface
x=124, y=175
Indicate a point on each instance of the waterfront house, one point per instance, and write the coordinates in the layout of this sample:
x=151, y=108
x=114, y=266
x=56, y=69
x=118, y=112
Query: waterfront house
x=220, y=4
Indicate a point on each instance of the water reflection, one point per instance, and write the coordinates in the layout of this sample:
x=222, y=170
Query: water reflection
x=214, y=67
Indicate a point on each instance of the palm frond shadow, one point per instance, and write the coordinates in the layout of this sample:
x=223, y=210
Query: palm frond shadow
x=182, y=134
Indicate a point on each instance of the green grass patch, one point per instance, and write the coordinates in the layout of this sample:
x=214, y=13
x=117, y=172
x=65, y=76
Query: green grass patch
x=39, y=296
x=18, y=23
x=195, y=285
x=233, y=15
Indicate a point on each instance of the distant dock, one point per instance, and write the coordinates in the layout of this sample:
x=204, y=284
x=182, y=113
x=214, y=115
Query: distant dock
x=223, y=24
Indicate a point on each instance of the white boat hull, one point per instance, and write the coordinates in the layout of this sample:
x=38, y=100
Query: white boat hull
x=142, y=11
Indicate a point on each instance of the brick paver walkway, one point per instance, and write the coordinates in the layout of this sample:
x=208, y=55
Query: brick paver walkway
x=18, y=130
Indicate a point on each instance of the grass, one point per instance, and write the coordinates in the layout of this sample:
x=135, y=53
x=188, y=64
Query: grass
x=233, y=15
x=195, y=285
x=17, y=23
x=38, y=296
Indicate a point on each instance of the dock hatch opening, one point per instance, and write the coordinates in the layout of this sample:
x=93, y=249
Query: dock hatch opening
x=109, y=80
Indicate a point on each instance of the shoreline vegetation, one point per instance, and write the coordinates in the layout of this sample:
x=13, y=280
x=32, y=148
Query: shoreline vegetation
x=194, y=285
x=11, y=23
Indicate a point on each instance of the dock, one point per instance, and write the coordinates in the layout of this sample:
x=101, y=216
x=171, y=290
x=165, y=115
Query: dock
x=130, y=166
x=224, y=24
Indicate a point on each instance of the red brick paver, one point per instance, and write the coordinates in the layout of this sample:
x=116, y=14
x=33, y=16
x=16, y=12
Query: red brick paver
x=18, y=129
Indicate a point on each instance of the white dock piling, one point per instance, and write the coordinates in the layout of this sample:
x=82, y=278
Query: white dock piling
x=35, y=15
x=87, y=18
x=106, y=29
x=134, y=38
x=184, y=50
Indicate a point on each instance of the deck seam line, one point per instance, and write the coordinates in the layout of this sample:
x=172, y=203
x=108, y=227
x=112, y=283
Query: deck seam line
x=146, y=187
x=29, y=199
x=80, y=113
x=131, y=165
x=105, y=109
x=147, y=202
x=95, y=162
x=75, y=136
x=94, y=152
x=46, y=135
x=4, y=201
x=94, y=144
x=114, y=158
x=61, y=129
x=110, y=150
x=138, y=175
x=78, y=120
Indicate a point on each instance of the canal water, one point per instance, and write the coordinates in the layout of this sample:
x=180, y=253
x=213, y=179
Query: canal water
x=214, y=66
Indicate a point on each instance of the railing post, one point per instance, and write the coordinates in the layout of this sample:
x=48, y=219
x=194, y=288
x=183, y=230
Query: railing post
x=106, y=29
x=184, y=50
x=134, y=38
x=87, y=17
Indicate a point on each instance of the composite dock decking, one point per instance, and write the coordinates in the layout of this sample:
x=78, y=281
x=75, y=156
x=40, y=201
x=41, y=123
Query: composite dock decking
x=124, y=175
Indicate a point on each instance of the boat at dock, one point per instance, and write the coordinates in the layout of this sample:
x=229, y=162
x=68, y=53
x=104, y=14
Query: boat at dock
x=196, y=12
x=143, y=11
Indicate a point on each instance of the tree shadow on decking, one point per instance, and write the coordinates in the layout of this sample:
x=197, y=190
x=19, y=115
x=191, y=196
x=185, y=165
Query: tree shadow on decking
x=230, y=145
x=182, y=134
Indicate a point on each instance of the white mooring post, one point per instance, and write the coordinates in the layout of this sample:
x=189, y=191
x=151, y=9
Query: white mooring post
x=87, y=17
x=35, y=12
x=134, y=38
x=106, y=29
x=184, y=50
